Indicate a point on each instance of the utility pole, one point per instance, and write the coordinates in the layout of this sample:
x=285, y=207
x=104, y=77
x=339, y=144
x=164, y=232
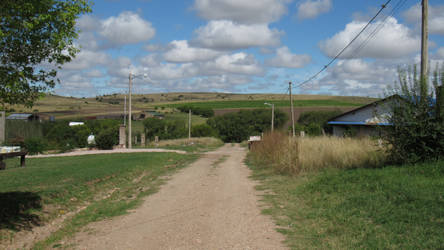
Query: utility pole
x=292, y=111
x=272, y=118
x=124, y=112
x=424, y=49
x=189, y=124
x=129, y=112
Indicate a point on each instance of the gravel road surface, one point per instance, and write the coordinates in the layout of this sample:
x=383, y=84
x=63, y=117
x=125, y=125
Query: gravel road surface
x=211, y=204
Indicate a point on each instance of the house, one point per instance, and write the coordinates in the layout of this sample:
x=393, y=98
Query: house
x=23, y=117
x=365, y=120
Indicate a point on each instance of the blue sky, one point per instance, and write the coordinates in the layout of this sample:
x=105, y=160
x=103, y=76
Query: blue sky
x=247, y=46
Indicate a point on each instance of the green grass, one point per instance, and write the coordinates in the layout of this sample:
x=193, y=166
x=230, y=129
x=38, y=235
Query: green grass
x=388, y=208
x=195, y=119
x=260, y=104
x=108, y=185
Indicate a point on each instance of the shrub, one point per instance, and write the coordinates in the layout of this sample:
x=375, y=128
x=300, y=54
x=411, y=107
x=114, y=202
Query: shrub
x=313, y=129
x=417, y=134
x=165, y=129
x=202, y=111
x=106, y=139
x=237, y=127
x=203, y=130
x=318, y=117
x=35, y=145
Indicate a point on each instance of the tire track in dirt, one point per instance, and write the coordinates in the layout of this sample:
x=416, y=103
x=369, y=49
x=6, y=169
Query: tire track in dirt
x=204, y=206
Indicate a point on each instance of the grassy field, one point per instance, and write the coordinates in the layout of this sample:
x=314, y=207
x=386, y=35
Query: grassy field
x=70, y=107
x=260, y=104
x=388, y=208
x=108, y=185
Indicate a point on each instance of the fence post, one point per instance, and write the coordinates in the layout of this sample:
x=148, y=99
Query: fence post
x=2, y=126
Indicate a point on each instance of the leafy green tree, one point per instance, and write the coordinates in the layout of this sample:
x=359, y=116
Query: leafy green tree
x=236, y=127
x=36, y=38
x=417, y=133
x=203, y=130
x=319, y=118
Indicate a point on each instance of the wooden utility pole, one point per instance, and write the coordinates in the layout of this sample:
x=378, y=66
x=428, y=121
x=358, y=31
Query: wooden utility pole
x=189, y=124
x=124, y=112
x=129, y=112
x=291, y=108
x=272, y=118
x=424, y=49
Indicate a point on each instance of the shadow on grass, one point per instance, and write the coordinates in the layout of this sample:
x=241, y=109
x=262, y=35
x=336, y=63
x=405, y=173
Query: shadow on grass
x=16, y=210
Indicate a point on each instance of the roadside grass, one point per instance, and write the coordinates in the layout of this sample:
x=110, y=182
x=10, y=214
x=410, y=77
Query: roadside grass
x=295, y=155
x=396, y=207
x=195, y=145
x=106, y=185
x=260, y=103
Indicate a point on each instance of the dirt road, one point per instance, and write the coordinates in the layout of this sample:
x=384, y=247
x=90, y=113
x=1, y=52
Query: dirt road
x=210, y=205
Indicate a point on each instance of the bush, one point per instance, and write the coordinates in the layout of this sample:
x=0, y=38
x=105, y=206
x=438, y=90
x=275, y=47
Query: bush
x=165, y=129
x=313, y=129
x=417, y=134
x=318, y=117
x=106, y=139
x=202, y=111
x=237, y=127
x=35, y=145
x=203, y=130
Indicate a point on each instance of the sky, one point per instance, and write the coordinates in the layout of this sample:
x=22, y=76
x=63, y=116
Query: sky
x=247, y=46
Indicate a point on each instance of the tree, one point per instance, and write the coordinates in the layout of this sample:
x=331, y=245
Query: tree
x=417, y=133
x=36, y=38
x=236, y=127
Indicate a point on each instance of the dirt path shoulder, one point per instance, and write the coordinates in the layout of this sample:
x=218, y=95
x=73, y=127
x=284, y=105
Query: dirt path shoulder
x=210, y=205
x=114, y=151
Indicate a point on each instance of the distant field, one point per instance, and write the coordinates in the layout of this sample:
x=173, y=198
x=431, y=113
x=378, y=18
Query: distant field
x=63, y=107
x=260, y=104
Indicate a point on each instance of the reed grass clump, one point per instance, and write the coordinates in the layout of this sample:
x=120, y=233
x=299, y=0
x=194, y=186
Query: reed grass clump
x=295, y=155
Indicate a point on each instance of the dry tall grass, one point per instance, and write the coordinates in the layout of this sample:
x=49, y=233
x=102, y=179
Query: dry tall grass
x=295, y=155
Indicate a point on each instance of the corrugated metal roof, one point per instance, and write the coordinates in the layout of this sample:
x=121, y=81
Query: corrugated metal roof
x=358, y=123
x=19, y=116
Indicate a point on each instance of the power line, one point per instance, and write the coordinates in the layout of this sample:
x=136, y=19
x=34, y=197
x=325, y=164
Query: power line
x=379, y=27
x=348, y=45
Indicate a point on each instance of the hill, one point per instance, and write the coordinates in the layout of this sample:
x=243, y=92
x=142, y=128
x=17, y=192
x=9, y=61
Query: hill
x=71, y=107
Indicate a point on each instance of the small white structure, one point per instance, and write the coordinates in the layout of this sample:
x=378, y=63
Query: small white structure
x=91, y=139
x=365, y=120
x=76, y=124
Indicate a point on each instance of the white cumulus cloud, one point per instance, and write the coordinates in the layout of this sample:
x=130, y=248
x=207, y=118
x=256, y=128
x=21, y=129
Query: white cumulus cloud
x=181, y=52
x=436, y=17
x=393, y=40
x=238, y=63
x=242, y=11
x=285, y=59
x=313, y=8
x=126, y=28
x=227, y=35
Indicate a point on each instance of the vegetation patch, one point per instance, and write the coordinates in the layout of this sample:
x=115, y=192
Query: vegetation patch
x=295, y=155
x=50, y=187
x=194, y=145
x=260, y=104
x=386, y=208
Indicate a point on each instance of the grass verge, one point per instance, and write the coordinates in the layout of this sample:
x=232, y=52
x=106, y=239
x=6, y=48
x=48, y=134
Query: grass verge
x=386, y=208
x=296, y=155
x=194, y=145
x=108, y=185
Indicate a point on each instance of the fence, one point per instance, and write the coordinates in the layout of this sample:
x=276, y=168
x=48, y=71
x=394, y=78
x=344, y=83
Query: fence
x=20, y=130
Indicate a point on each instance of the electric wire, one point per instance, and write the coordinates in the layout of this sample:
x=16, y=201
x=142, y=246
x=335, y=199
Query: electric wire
x=378, y=28
x=348, y=45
